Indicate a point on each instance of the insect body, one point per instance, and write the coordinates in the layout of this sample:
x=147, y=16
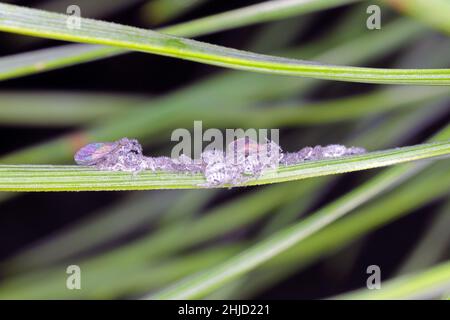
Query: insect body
x=243, y=147
x=216, y=174
x=320, y=153
x=243, y=160
x=252, y=157
x=93, y=153
x=122, y=155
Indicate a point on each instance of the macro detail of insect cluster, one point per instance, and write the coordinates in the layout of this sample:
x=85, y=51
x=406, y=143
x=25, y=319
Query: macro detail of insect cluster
x=243, y=160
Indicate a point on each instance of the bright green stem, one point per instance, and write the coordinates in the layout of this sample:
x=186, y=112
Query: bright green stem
x=54, y=26
x=57, y=57
x=78, y=178
x=422, y=285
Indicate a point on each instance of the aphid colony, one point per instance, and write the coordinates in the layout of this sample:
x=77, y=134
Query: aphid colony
x=243, y=160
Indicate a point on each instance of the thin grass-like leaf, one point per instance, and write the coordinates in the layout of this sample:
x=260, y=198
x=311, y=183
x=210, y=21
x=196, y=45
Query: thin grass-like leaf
x=217, y=222
x=53, y=58
x=91, y=232
x=106, y=273
x=431, y=246
x=428, y=284
x=138, y=277
x=54, y=26
x=257, y=13
x=78, y=178
x=226, y=90
x=203, y=283
x=63, y=109
x=420, y=190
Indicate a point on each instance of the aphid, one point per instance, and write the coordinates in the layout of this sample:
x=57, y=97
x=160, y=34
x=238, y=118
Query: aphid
x=354, y=151
x=95, y=152
x=122, y=155
x=161, y=163
x=185, y=164
x=244, y=160
x=320, y=153
x=216, y=174
x=242, y=147
x=254, y=155
x=245, y=148
x=333, y=150
x=212, y=156
x=270, y=154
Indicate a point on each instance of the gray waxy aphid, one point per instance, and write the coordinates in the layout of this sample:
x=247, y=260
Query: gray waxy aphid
x=243, y=160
